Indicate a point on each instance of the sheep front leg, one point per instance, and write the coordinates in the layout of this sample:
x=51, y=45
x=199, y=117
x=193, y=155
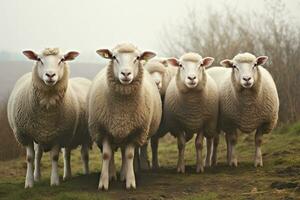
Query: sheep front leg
x=209, y=146
x=112, y=167
x=181, y=148
x=54, y=154
x=199, y=147
x=130, y=177
x=85, y=158
x=215, y=149
x=154, y=148
x=136, y=161
x=37, y=162
x=106, y=156
x=29, y=159
x=144, y=161
x=67, y=163
x=232, y=141
x=228, y=148
x=124, y=165
x=258, y=162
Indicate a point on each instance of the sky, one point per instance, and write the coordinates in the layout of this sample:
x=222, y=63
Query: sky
x=86, y=26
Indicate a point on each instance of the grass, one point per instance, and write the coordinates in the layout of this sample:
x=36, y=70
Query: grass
x=278, y=179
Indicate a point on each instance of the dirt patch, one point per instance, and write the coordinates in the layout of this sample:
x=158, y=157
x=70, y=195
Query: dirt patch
x=284, y=185
x=289, y=171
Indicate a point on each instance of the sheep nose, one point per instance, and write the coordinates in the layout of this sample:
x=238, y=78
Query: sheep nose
x=125, y=74
x=157, y=82
x=192, y=78
x=50, y=75
x=246, y=78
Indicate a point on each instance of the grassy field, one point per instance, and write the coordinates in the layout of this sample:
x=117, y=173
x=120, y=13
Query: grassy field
x=278, y=179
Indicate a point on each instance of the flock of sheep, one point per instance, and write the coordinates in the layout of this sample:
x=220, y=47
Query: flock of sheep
x=135, y=99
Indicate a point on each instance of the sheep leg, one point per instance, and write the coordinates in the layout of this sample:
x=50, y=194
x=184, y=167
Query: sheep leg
x=144, y=161
x=54, y=154
x=199, y=147
x=67, y=163
x=124, y=165
x=37, y=162
x=154, y=148
x=215, y=149
x=233, y=141
x=29, y=159
x=106, y=156
x=130, y=177
x=112, y=167
x=181, y=148
x=209, y=146
x=136, y=161
x=228, y=148
x=85, y=158
x=258, y=162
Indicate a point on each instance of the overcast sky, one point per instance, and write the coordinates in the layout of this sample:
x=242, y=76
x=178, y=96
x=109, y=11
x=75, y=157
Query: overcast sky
x=94, y=24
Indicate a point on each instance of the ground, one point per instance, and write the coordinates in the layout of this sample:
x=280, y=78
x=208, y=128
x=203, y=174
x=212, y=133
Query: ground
x=278, y=179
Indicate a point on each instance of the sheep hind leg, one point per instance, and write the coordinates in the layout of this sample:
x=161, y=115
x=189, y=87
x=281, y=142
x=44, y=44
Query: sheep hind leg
x=154, y=148
x=85, y=158
x=54, y=154
x=136, y=159
x=144, y=160
x=123, y=166
x=181, y=148
x=37, y=162
x=233, y=140
x=112, y=167
x=215, y=150
x=67, y=163
x=106, y=156
x=130, y=177
x=29, y=172
x=228, y=148
x=209, y=146
x=258, y=162
x=199, y=148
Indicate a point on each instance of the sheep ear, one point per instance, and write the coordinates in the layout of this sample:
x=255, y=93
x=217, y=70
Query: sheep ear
x=207, y=61
x=105, y=53
x=71, y=55
x=174, y=62
x=147, y=55
x=226, y=63
x=261, y=60
x=31, y=55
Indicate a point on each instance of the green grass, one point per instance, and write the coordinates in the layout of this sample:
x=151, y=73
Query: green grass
x=281, y=168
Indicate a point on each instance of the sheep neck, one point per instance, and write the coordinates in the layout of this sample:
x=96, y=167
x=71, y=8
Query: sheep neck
x=49, y=96
x=118, y=89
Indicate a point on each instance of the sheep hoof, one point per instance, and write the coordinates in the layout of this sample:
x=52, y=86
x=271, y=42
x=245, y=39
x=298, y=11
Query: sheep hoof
x=113, y=177
x=181, y=169
x=28, y=184
x=233, y=163
x=155, y=166
x=144, y=164
x=103, y=184
x=130, y=184
x=66, y=177
x=199, y=169
x=37, y=177
x=258, y=163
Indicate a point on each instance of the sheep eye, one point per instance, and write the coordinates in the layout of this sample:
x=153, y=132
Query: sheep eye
x=255, y=65
x=235, y=67
x=61, y=60
x=180, y=65
x=40, y=60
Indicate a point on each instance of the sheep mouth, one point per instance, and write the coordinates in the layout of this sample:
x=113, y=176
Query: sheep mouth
x=50, y=82
x=125, y=81
x=247, y=85
x=192, y=84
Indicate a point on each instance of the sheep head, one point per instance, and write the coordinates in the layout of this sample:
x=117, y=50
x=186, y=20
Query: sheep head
x=50, y=64
x=245, y=68
x=157, y=69
x=126, y=59
x=191, y=68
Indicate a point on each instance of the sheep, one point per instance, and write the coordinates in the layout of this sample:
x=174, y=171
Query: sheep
x=161, y=72
x=248, y=101
x=124, y=108
x=191, y=106
x=48, y=109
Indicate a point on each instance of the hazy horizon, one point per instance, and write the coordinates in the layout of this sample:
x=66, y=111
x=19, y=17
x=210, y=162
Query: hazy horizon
x=86, y=27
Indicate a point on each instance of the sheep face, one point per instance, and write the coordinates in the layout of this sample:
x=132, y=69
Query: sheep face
x=245, y=68
x=158, y=79
x=125, y=62
x=191, y=71
x=50, y=65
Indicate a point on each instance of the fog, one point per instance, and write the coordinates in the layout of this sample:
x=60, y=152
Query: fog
x=85, y=27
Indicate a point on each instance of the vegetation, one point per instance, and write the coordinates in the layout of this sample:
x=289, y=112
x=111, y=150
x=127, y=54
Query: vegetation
x=278, y=179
